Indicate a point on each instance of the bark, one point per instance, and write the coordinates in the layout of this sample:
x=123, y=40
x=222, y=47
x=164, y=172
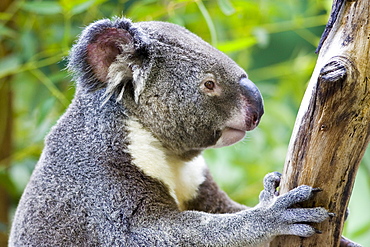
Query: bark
x=332, y=129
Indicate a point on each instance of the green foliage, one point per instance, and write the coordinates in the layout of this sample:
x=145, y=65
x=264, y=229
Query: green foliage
x=274, y=41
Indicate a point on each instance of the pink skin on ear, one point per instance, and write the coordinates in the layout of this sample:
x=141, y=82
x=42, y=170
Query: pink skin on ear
x=104, y=49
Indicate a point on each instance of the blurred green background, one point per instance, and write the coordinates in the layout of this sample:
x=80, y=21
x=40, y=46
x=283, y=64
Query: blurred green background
x=273, y=40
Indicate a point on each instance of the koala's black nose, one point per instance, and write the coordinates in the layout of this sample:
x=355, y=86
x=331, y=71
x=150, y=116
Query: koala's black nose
x=254, y=102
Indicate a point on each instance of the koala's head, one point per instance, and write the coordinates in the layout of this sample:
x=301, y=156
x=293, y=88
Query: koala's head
x=189, y=95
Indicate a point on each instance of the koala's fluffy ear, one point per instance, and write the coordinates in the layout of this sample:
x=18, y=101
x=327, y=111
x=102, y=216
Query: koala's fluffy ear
x=111, y=54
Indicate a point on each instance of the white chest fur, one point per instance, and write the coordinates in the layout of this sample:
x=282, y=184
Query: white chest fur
x=181, y=178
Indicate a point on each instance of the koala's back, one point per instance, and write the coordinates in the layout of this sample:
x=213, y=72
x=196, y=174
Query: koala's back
x=81, y=194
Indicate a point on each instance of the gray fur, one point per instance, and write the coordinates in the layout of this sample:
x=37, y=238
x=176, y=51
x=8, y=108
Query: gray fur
x=91, y=186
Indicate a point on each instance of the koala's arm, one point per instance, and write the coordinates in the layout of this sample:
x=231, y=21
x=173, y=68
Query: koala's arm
x=166, y=226
x=210, y=198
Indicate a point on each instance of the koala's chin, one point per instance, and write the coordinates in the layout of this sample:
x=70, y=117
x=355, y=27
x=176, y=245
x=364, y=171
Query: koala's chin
x=229, y=136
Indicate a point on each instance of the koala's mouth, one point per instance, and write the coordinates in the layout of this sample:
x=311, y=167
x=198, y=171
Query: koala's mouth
x=236, y=127
x=229, y=136
x=235, y=131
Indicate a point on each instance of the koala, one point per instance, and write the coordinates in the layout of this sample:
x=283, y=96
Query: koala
x=123, y=166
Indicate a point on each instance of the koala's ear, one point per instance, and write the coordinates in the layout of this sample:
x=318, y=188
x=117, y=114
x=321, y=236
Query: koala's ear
x=111, y=55
x=105, y=49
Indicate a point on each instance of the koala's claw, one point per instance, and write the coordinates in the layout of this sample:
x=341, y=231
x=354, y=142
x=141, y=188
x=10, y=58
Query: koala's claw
x=332, y=215
x=316, y=190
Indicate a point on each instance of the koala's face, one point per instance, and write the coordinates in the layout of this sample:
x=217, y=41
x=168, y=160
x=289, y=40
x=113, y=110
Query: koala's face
x=195, y=97
x=189, y=95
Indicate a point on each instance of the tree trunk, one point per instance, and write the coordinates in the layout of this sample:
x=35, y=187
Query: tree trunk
x=332, y=129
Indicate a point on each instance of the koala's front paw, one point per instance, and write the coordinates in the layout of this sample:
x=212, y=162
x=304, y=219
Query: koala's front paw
x=283, y=220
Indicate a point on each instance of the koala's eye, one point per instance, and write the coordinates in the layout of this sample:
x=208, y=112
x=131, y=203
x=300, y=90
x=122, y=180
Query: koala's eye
x=209, y=85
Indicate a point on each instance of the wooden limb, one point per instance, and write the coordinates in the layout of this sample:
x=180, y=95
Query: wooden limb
x=332, y=129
